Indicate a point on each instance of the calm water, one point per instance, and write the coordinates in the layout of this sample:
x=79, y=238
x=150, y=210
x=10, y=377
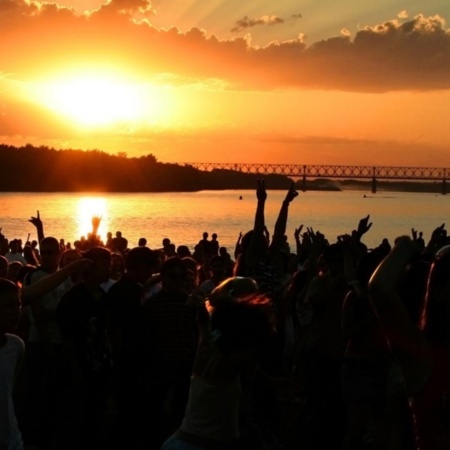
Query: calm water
x=184, y=216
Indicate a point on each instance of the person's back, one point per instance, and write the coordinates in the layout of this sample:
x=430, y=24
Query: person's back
x=127, y=328
x=82, y=320
x=11, y=355
x=172, y=342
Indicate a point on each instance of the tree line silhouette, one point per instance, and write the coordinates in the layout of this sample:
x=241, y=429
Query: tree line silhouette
x=44, y=169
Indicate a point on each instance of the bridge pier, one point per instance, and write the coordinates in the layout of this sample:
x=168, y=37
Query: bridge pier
x=444, y=186
x=374, y=185
x=304, y=183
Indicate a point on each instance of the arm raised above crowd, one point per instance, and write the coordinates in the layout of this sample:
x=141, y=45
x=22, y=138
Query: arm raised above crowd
x=280, y=224
x=51, y=281
x=37, y=222
x=407, y=342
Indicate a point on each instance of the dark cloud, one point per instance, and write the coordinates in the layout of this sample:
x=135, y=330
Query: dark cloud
x=247, y=22
x=395, y=55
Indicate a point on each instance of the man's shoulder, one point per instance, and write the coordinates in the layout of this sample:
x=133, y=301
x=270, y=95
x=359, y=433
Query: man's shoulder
x=34, y=275
x=124, y=287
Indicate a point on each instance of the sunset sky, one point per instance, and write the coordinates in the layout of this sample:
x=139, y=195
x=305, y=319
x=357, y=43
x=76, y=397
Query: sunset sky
x=284, y=81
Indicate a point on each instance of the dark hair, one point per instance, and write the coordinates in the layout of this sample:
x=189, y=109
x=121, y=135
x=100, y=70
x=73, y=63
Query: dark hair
x=141, y=256
x=237, y=325
x=50, y=241
x=183, y=251
x=8, y=287
x=434, y=316
x=172, y=263
x=96, y=254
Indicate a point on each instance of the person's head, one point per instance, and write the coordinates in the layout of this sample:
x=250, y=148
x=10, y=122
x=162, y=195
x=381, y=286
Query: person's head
x=141, y=263
x=435, y=313
x=69, y=256
x=217, y=268
x=214, y=236
x=332, y=259
x=118, y=234
x=9, y=306
x=50, y=252
x=241, y=322
x=241, y=288
x=142, y=242
x=183, y=251
x=100, y=270
x=174, y=275
x=166, y=242
x=29, y=255
x=13, y=271
x=117, y=265
x=14, y=246
x=259, y=238
x=205, y=235
x=3, y=267
x=192, y=271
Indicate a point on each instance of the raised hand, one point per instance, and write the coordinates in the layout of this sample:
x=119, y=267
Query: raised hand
x=297, y=232
x=261, y=193
x=364, y=226
x=414, y=234
x=96, y=222
x=36, y=221
x=291, y=194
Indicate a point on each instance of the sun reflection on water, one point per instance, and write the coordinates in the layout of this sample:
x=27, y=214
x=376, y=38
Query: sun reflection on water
x=87, y=208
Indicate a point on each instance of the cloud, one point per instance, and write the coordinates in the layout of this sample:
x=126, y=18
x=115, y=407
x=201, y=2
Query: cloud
x=36, y=38
x=402, y=14
x=247, y=22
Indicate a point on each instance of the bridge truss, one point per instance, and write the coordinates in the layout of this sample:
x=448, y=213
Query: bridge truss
x=373, y=173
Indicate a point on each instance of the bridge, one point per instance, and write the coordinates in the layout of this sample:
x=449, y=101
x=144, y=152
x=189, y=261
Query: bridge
x=303, y=172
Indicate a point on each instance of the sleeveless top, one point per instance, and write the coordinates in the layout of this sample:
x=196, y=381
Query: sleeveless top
x=212, y=410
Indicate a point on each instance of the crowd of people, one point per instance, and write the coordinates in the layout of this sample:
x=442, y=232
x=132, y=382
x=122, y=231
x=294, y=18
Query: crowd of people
x=328, y=345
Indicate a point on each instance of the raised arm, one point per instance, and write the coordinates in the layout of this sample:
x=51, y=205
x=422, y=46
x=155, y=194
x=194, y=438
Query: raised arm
x=51, y=281
x=408, y=344
x=261, y=196
x=37, y=222
x=238, y=247
x=298, y=244
x=363, y=227
x=280, y=224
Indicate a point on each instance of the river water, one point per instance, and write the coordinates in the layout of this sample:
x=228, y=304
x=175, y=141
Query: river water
x=183, y=217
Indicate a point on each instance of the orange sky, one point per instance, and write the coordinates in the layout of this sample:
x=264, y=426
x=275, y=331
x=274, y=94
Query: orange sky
x=229, y=85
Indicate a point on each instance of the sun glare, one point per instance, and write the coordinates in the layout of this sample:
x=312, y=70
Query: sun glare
x=92, y=99
x=88, y=207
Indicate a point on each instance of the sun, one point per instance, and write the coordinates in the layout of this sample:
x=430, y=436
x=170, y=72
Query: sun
x=92, y=99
